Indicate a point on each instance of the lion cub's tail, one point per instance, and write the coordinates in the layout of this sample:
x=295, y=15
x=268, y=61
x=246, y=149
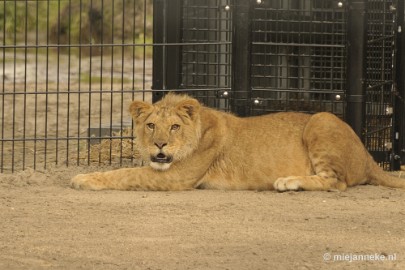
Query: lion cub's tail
x=379, y=177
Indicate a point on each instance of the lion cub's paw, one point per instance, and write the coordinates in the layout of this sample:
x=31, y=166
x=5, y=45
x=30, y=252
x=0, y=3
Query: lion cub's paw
x=92, y=181
x=288, y=183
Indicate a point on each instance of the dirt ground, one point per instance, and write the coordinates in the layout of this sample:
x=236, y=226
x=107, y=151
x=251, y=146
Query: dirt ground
x=44, y=224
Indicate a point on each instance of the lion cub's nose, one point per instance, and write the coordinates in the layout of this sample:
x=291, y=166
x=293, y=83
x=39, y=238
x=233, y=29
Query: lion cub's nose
x=160, y=145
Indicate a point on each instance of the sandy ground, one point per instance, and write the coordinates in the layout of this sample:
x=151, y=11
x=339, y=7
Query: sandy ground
x=44, y=224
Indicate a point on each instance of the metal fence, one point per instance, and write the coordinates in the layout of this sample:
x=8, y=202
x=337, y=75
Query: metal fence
x=198, y=52
x=255, y=57
x=69, y=69
x=380, y=135
x=299, y=56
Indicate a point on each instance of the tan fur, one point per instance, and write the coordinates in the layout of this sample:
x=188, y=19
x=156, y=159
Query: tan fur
x=191, y=146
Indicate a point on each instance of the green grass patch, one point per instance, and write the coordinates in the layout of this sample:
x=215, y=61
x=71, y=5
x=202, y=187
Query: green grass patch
x=79, y=22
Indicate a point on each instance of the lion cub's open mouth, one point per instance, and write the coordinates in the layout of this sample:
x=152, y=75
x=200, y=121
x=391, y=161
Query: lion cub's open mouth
x=161, y=158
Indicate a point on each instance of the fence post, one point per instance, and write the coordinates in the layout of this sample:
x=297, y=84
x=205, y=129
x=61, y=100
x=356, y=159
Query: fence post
x=356, y=66
x=158, y=38
x=166, y=57
x=241, y=58
x=399, y=97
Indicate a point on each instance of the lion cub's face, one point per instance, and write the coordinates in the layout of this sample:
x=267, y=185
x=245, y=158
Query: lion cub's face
x=167, y=131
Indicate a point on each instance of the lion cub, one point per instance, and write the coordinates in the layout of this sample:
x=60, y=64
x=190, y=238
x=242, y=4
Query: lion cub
x=191, y=146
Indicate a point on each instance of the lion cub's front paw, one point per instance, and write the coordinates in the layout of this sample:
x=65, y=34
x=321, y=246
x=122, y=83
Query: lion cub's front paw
x=288, y=183
x=92, y=181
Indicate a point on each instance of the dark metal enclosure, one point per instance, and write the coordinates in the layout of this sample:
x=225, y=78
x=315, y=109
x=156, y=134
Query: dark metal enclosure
x=264, y=56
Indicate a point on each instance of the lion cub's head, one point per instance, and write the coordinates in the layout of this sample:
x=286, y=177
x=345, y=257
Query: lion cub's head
x=167, y=131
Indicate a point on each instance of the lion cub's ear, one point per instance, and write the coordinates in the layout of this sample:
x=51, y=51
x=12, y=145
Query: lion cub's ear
x=189, y=107
x=139, y=108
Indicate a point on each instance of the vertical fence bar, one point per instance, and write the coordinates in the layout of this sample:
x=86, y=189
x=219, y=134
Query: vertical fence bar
x=399, y=105
x=173, y=52
x=144, y=49
x=356, y=37
x=166, y=57
x=25, y=85
x=58, y=69
x=112, y=80
x=47, y=90
x=122, y=78
x=3, y=91
x=68, y=83
x=158, y=38
x=13, y=128
x=241, y=58
x=36, y=85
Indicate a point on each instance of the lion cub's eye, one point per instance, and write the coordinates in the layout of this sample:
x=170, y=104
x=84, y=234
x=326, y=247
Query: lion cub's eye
x=150, y=126
x=175, y=127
